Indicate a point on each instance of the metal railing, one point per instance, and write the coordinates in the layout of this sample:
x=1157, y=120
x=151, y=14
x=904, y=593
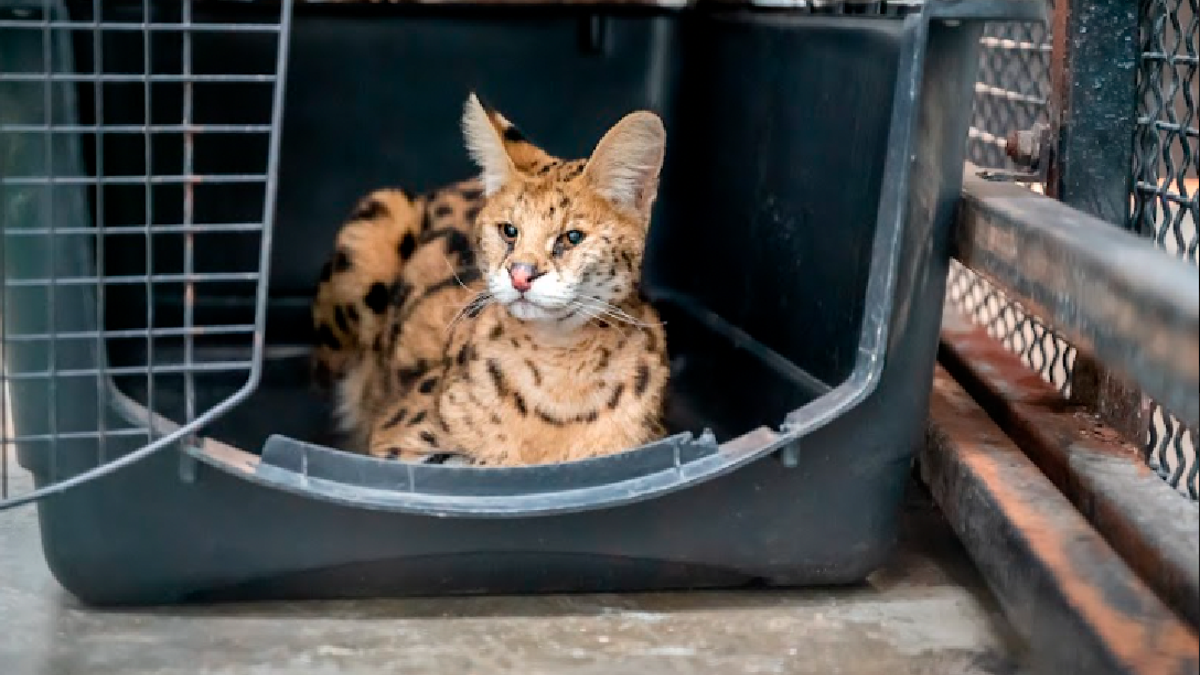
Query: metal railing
x=1030, y=82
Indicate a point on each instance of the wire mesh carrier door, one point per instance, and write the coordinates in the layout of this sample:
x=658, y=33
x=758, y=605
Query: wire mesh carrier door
x=134, y=250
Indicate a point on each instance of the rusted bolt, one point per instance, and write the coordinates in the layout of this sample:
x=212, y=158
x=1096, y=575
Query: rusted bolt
x=1026, y=145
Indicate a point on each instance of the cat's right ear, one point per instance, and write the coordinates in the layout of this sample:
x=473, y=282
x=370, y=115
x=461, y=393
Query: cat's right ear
x=486, y=144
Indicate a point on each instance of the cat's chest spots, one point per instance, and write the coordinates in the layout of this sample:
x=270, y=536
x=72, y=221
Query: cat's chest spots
x=511, y=398
x=583, y=380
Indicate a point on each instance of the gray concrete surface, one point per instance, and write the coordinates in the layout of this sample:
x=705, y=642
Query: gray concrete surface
x=925, y=614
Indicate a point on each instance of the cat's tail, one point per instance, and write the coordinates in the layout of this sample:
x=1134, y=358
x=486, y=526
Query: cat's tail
x=358, y=281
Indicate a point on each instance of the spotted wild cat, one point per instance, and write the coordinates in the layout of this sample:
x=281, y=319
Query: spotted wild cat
x=498, y=321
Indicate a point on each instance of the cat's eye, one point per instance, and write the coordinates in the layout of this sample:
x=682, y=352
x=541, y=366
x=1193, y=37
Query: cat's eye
x=574, y=237
x=509, y=231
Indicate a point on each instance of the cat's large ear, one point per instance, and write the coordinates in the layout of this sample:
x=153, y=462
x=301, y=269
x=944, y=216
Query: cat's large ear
x=485, y=142
x=497, y=146
x=625, y=165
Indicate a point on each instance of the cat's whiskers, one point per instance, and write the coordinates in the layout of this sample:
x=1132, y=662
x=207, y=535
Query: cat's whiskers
x=602, y=308
x=616, y=313
x=604, y=311
x=454, y=272
x=470, y=308
x=589, y=313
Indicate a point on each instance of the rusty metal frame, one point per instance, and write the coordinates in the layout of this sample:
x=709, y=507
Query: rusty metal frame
x=1115, y=295
x=1093, y=85
x=1093, y=76
x=664, y=4
x=1144, y=519
x=1077, y=603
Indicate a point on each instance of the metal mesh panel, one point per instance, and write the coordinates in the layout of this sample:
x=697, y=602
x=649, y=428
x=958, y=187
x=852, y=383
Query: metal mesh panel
x=1013, y=88
x=128, y=235
x=1012, y=94
x=1165, y=186
x=1039, y=347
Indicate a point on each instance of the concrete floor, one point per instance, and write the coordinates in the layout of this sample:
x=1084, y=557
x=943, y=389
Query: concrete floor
x=927, y=613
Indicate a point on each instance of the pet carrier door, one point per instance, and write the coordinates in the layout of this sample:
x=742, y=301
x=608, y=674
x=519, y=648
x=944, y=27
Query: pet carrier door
x=135, y=247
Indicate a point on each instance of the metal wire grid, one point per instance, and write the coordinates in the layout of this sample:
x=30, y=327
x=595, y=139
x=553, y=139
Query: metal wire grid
x=854, y=7
x=125, y=228
x=1012, y=93
x=1006, y=320
x=1166, y=153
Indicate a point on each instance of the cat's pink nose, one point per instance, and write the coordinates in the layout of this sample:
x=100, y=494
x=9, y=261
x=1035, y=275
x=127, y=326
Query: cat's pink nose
x=522, y=275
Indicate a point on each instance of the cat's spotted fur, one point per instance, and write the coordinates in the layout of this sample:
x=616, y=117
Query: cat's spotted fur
x=499, y=319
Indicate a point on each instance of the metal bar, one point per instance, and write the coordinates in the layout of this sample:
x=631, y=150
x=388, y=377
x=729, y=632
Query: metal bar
x=135, y=78
x=189, y=209
x=258, y=344
x=1173, y=59
x=1093, y=76
x=52, y=242
x=148, y=158
x=1077, y=604
x=145, y=26
x=1160, y=125
x=101, y=346
x=100, y=128
x=1114, y=294
x=133, y=333
x=1164, y=194
x=987, y=137
x=5, y=421
x=211, y=179
x=993, y=42
x=204, y=277
x=149, y=369
x=80, y=435
x=1008, y=94
x=1149, y=524
x=111, y=230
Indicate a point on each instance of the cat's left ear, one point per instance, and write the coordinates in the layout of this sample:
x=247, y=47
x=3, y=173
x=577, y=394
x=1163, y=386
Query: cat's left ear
x=486, y=144
x=625, y=165
x=497, y=146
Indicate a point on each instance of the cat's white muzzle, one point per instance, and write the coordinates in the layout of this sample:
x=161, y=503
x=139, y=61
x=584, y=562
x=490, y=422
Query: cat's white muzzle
x=547, y=298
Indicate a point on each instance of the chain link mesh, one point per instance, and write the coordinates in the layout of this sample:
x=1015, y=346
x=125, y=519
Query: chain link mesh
x=1165, y=185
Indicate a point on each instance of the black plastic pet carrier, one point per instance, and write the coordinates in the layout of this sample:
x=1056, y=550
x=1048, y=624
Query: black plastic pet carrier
x=171, y=177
